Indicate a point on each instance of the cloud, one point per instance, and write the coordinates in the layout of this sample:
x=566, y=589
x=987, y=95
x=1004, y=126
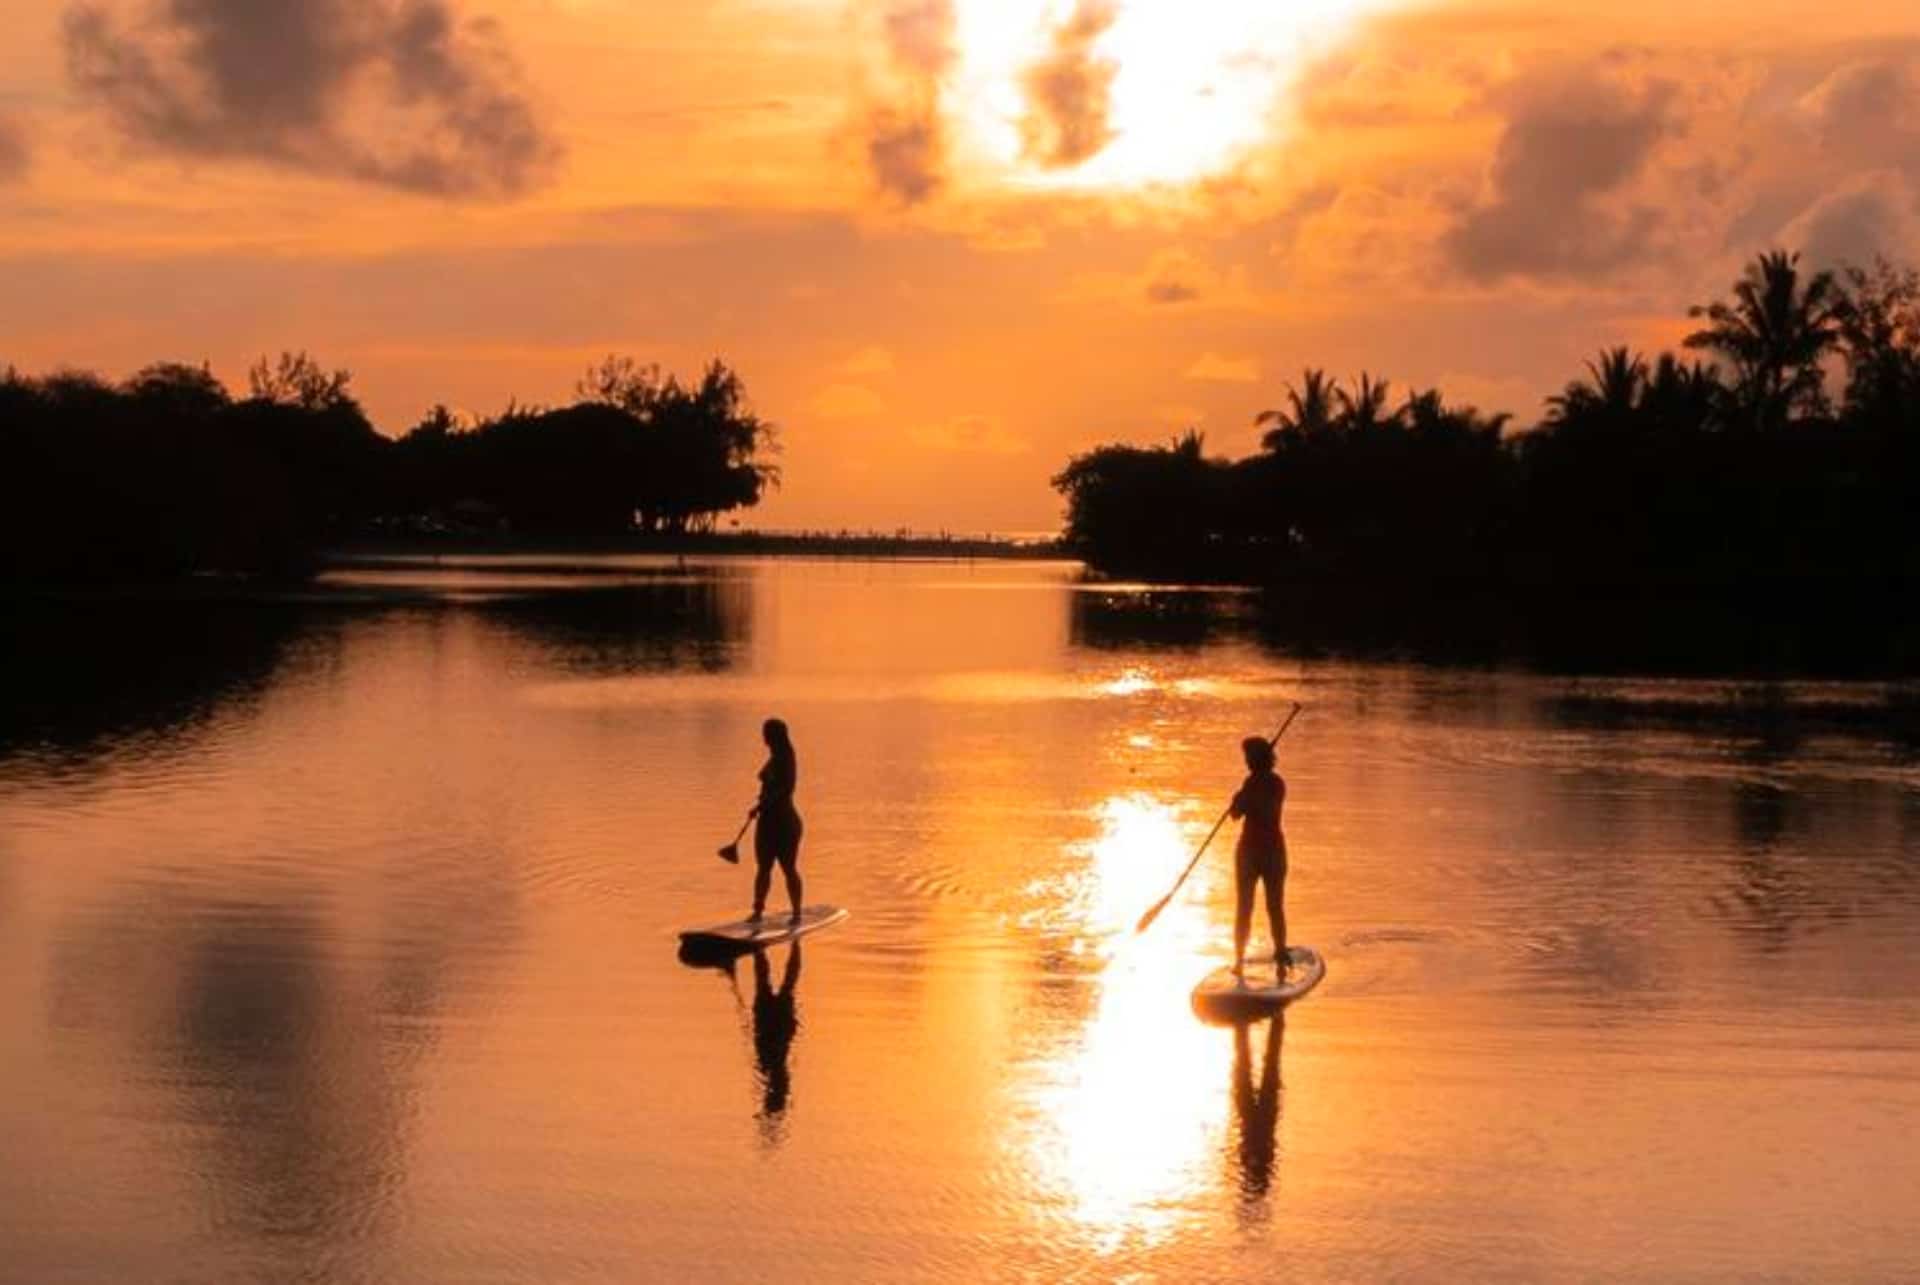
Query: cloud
x=920, y=35
x=1174, y=276
x=15, y=155
x=1397, y=77
x=1868, y=217
x=903, y=135
x=1866, y=115
x=1213, y=368
x=871, y=360
x=974, y=434
x=1070, y=91
x=1874, y=95
x=1570, y=140
x=398, y=93
x=906, y=150
x=847, y=401
x=1176, y=279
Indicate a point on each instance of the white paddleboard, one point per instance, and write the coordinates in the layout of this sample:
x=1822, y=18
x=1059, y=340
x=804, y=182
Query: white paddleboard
x=770, y=929
x=1222, y=996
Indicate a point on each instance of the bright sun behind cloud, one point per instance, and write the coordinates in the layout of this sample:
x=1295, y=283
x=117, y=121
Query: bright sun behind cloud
x=1164, y=92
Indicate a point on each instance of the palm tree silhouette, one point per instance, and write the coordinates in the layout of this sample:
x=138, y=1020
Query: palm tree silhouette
x=1682, y=394
x=1310, y=409
x=1775, y=331
x=1428, y=415
x=1365, y=408
x=1609, y=396
x=1190, y=446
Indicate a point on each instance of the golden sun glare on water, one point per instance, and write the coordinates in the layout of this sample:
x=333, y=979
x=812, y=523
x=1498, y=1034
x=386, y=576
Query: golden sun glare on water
x=1127, y=1117
x=1161, y=92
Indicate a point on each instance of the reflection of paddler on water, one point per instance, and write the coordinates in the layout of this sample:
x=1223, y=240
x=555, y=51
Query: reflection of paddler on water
x=1256, y=1107
x=776, y=1020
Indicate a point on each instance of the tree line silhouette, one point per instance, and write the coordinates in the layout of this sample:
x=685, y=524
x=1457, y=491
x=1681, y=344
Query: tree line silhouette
x=1732, y=465
x=167, y=473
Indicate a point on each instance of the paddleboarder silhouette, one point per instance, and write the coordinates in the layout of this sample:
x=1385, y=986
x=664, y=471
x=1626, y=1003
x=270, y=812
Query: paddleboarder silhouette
x=1261, y=855
x=777, y=827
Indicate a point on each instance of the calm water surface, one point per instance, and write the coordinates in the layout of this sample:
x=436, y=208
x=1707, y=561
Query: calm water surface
x=337, y=944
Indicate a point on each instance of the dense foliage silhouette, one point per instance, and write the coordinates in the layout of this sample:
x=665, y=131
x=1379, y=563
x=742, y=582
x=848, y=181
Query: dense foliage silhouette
x=1737, y=470
x=168, y=473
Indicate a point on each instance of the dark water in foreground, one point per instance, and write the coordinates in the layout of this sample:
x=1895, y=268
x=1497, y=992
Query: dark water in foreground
x=336, y=944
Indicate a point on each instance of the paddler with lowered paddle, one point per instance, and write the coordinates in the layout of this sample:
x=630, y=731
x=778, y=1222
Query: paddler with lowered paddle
x=777, y=828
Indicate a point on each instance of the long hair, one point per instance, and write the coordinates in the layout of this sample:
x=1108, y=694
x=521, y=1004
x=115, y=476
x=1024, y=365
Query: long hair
x=774, y=731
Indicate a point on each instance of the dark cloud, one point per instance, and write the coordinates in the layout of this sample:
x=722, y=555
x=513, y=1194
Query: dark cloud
x=1865, y=118
x=1866, y=115
x=906, y=150
x=905, y=138
x=399, y=93
x=15, y=155
x=1572, y=145
x=1174, y=276
x=1070, y=91
x=1870, y=217
x=1874, y=96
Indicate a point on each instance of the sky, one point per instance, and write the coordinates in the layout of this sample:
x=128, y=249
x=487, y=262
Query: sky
x=948, y=243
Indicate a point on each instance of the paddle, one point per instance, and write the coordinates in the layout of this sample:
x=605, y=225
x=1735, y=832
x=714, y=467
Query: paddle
x=731, y=852
x=1153, y=911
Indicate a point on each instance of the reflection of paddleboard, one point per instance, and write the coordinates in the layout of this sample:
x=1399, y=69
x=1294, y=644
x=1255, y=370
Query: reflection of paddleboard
x=770, y=929
x=1223, y=996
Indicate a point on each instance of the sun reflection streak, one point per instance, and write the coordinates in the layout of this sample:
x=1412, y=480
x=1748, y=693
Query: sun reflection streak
x=1126, y=1116
x=1130, y=682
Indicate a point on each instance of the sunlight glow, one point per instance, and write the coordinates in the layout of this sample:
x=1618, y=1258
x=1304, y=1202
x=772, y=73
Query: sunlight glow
x=1130, y=682
x=1127, y=1118
x=1193, y=89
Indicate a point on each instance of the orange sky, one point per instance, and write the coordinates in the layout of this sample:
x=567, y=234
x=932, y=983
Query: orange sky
x=948, y=242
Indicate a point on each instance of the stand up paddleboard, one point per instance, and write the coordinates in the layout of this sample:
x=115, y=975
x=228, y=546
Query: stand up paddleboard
x=770, y=929
x=1222, y=997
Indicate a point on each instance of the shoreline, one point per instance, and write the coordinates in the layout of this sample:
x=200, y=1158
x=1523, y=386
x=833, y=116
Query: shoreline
x=849, y=544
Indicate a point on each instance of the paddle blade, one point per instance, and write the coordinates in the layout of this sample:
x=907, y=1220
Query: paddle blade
x=731, y=854
x=1153, y=913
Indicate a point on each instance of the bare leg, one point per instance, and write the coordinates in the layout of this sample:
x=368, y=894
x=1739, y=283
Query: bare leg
x=1242, y=917
x=1277, y=914
x=762, y=880
x=790, y=867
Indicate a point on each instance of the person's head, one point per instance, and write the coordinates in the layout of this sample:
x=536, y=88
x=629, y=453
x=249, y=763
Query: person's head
x=774, y=733
x=1258, y=752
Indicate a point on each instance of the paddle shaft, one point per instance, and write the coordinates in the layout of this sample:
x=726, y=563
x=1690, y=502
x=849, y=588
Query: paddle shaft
x=1146, y=920
x=730, y=852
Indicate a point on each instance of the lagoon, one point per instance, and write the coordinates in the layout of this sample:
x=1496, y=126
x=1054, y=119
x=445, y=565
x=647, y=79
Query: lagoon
x=337, y=943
